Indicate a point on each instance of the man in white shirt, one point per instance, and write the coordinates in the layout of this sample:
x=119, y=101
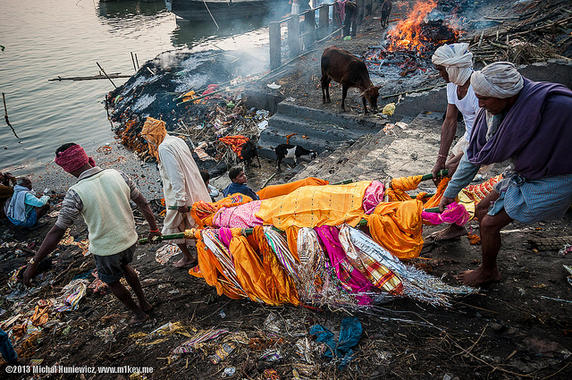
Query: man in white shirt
x=182, y=183
x=455, y=64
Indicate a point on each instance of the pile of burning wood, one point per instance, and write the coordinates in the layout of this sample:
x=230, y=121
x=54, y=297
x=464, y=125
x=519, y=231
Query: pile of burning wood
x=411, y=42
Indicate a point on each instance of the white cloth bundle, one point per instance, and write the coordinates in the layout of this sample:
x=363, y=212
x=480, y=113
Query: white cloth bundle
x=457, y=60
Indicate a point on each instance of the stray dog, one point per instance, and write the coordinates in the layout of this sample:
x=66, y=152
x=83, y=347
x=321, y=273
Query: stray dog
x=295, y=152
x=248, y=152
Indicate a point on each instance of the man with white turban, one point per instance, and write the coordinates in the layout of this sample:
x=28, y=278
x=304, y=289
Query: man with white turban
x=182, y=182
x=528, y=123
x=455, y=64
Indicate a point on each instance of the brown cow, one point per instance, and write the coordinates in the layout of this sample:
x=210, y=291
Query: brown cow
x=342, y=67
x=385, y=11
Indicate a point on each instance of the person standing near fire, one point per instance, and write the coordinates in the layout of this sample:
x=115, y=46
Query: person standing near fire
x=455, y=64
x=182, y=183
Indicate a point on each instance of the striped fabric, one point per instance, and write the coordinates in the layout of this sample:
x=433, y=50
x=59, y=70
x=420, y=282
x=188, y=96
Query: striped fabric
x=224, y=256
x=280, y=247
x=378, y=274
x=479, y=191
x=202, y=336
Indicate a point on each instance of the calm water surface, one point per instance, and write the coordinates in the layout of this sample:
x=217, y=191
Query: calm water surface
x=44, y=39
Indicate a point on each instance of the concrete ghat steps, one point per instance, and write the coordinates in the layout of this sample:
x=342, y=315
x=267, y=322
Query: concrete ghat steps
x=379, y=155
x=315, y=129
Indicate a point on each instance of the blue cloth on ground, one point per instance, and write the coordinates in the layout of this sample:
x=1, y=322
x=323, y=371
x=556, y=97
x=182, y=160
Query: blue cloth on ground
x=350, y=334
x=6, y=348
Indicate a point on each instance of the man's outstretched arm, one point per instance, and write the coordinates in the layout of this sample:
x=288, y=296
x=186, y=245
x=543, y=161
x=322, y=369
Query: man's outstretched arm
x=48, y=245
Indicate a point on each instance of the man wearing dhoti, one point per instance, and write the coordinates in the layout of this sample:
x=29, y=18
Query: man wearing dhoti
x=182, y=182
x=528, y=123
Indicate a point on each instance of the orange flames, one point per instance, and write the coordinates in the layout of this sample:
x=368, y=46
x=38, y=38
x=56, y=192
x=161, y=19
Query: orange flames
x=405, y=36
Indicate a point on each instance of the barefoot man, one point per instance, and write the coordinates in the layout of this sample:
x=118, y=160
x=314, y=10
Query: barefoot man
x=182, y=182
x=455, y=64
x=102, y=198
x=528, y=123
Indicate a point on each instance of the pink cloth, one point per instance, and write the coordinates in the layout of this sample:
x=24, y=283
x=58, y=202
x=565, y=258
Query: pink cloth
x=225, y=235
x=454, y=213
x=73, y=158
x=350, y=277
x=373, y=195
x=242, y=216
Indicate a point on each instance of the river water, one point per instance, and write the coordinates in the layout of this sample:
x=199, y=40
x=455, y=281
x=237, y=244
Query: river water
x=44, y=39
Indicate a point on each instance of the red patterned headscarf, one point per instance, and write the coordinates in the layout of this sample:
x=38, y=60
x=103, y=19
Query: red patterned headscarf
x=73, y=158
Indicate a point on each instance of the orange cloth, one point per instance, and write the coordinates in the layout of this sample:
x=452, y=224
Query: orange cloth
x=235, y=143
x=292, y=238
x=312, y=206
x=210, y=270
x=154, y=132
x=436, y=198
x=397, y=227
x=286, y=188
x=283, y=284
x=262, y=279
x=203, y=212
x=398, y=187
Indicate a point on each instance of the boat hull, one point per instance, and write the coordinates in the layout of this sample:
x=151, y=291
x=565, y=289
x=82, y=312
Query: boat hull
x=193, y=10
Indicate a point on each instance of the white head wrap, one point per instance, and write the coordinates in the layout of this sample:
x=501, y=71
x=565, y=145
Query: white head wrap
x=457, y=60
x=497, y=80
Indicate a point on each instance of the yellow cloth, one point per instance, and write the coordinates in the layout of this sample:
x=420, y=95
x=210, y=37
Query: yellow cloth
x=286, y=188
x=397, y=227
x=281, y=282
x=154, y=132
x=312, y=206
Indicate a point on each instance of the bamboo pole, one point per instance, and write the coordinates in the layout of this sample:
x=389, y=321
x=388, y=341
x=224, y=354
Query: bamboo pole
x=133, y=61
x=6, y=116
x=103, y=71
x=93, y=77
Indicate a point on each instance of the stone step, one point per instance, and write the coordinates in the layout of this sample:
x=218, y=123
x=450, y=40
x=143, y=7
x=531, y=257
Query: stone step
x=310, y=134
x=314, y=129
x=369, y=124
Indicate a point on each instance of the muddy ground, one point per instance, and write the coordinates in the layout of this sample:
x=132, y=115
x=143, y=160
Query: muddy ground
x=519, y=327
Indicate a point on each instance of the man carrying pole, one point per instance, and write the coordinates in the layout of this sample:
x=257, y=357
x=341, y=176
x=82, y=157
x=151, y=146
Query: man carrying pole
x=102, y=198
x=182, y=182
x=528, y=123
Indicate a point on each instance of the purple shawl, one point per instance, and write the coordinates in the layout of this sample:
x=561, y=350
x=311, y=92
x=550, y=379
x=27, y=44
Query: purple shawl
x=536, y=133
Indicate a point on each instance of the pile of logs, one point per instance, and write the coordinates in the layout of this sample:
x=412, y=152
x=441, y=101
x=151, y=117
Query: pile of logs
x=542, y=31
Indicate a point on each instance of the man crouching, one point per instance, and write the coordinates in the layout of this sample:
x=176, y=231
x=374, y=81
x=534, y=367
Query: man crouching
x=102, y=198
x=527, y=123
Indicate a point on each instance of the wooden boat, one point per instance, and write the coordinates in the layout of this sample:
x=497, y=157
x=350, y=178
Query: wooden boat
x=220, y=10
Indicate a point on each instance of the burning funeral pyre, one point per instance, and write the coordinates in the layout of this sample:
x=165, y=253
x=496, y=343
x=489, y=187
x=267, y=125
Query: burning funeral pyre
x=410, y=44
